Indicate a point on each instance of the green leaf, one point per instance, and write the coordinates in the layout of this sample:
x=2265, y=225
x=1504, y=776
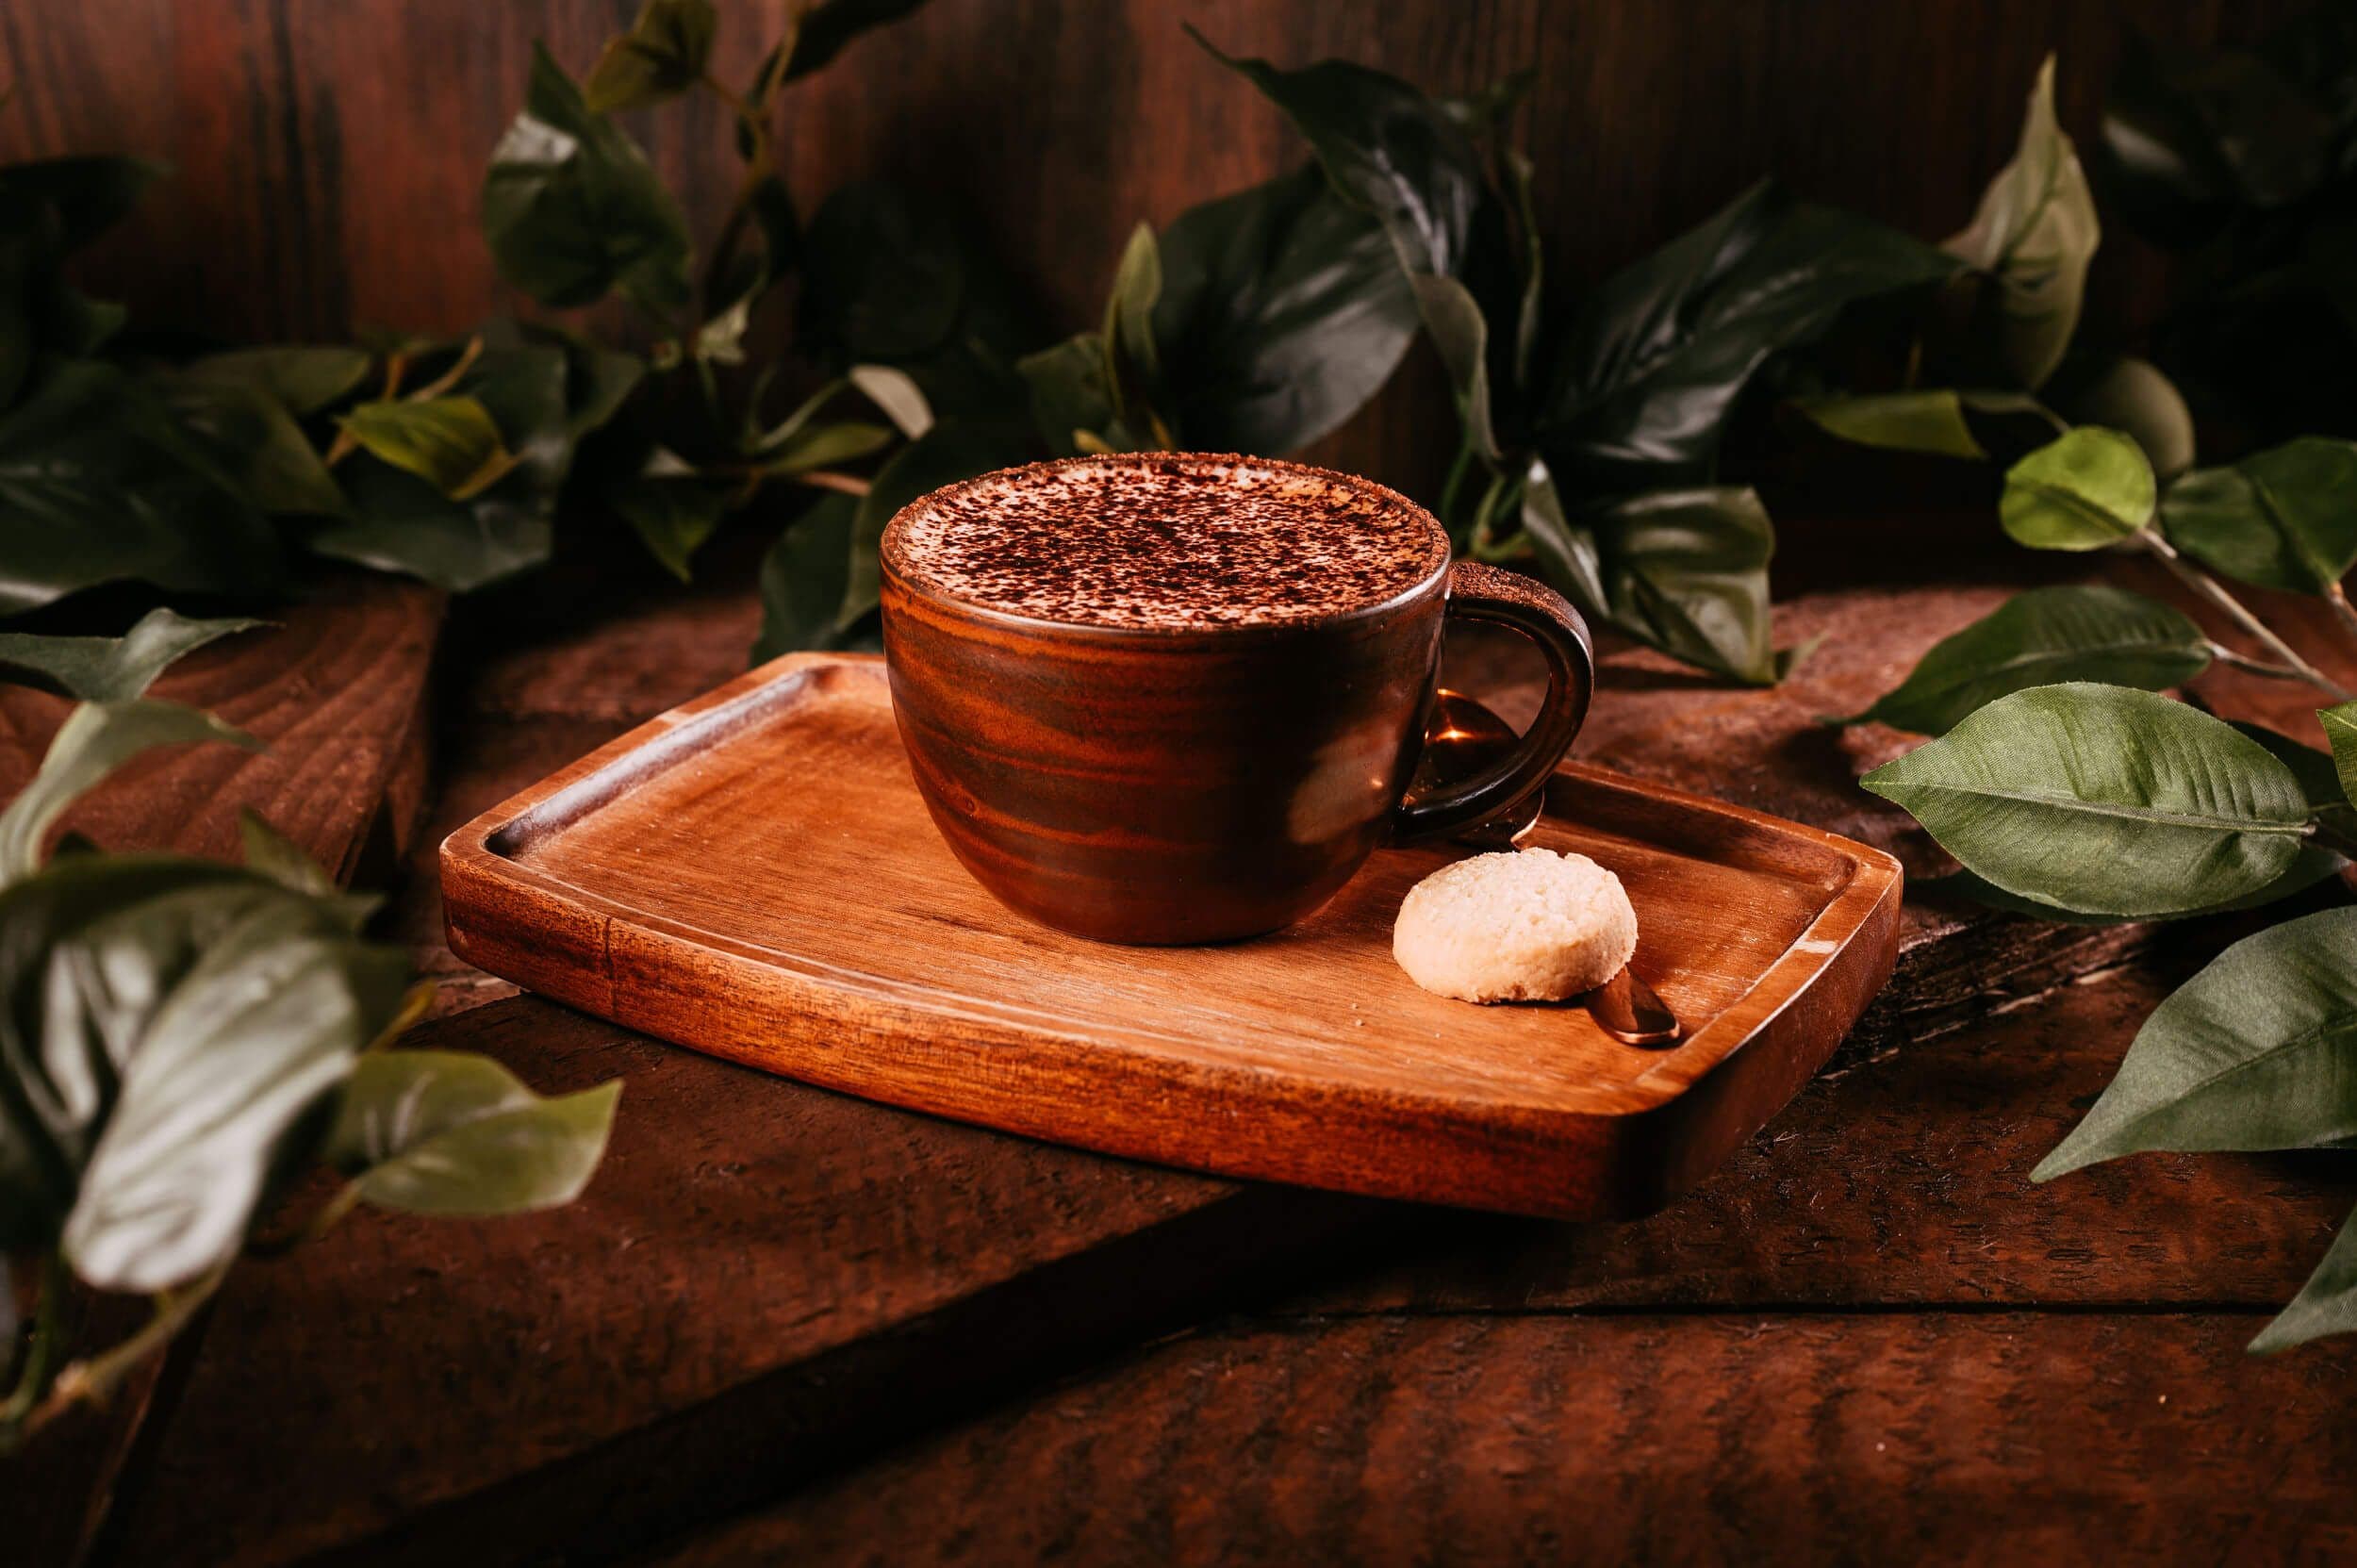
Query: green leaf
x=2044, y=637
x=2104, y=799
x=99, y=485
x=95, y=739
x=2086, y=490
x=1651, y=365
x=1069, y=394
x=254, y=440
x=899, y=397
x=822, y=578
x=302, y=380
x=1388, y=148
x=1683, y=571
x=822, y=446
x=573, y=211
x=447, y=1133
x=2285, y=518
x=231, y=1013
x=804, y=580
x=114, y=669
x=2327, y=1304
x=271, y=854
x=671, y=511
x=2132, y=396
x=2257, y=1052
x=2036, y=233
x=2340, y=729
x=451, y=442
x=1131, y=366
x=1934, y=422
x=1462, y=337
x=662, y=56
x=825, y=28
x=404, y=524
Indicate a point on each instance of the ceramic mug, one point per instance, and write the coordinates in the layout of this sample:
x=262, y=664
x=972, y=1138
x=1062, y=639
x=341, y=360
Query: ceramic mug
x=1186, y=783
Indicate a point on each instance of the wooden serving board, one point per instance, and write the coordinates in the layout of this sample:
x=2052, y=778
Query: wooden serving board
x=753, y=875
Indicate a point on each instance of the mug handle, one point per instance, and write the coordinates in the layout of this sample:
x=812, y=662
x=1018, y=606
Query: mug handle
x=1479, y=592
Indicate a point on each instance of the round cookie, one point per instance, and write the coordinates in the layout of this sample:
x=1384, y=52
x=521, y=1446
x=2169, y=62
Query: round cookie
x=1526, y=925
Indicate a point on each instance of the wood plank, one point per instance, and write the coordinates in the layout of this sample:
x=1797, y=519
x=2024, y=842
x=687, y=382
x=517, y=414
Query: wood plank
x=337, y=692
x=1903, y=1182
x=761, y=1280
x=1938, y=1437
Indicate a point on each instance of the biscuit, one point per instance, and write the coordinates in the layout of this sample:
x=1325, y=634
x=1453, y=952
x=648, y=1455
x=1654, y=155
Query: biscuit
x=1527, y=925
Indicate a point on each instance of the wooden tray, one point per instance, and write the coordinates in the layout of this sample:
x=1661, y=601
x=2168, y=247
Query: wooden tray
x=753, y=875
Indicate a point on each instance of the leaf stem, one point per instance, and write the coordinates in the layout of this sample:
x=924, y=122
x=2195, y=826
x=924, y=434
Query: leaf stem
x=2211, y=589
x=827, y=479
x=2243, y=662
x=94, y=1381
x=2336, y=597
x=40, y=1346
x=759, y=166
x=2334, y=837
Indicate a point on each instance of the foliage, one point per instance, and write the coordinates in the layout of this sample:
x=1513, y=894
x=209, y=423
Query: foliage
x=182, y=1040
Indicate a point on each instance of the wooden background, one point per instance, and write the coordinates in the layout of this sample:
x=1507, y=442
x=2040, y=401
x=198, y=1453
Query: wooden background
x=329, y=152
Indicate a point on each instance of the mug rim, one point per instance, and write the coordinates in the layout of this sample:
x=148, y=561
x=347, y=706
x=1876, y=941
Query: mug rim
x=1222, y=633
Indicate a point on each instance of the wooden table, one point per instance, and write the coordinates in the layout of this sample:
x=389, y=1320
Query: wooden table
x=784, y=1325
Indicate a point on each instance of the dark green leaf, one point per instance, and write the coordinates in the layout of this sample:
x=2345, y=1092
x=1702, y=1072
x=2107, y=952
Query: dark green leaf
x=826, y=27
x=804, y=579
x=446, y=1133
x=2086, y=490
x=821, y=579
x=2130, y=395
x=253, y=439
x=2327, y=1304
x=272, y=854
x=2283, y=519
x=1683, y=571
x=1461, y=337
x=404, y=524
x=1388, y=148
x=662, y=55
x=1070, y=401
x=451, y=442
x=89, y=194
x=671, y=511
x=114, y=669
x=1653, y=362
x=1486, y=111
x=573, y=210
x=2044, y=637
x=2104, y=799
x=98, y=485
x=2257, y=1052
x=2036, y=233
x=95, y=739
x=301, y=380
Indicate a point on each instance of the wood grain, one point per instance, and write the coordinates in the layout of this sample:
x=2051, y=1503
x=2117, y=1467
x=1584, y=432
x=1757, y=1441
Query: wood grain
x=762, y=1280
x=330, y=156
x=337, y=692
x=694, y=879
x=1751, y=1436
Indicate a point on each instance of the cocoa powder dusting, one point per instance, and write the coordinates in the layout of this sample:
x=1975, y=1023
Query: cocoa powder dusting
x=1160, y=539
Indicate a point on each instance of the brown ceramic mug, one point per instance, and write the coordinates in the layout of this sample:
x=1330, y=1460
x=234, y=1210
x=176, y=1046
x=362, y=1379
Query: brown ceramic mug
x=1175, y=698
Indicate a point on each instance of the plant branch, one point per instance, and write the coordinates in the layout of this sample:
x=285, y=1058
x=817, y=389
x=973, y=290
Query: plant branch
x=94, y=1381
x=2235, y=610
x=827, y=479
x=2338, y=599
x=759, y=166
